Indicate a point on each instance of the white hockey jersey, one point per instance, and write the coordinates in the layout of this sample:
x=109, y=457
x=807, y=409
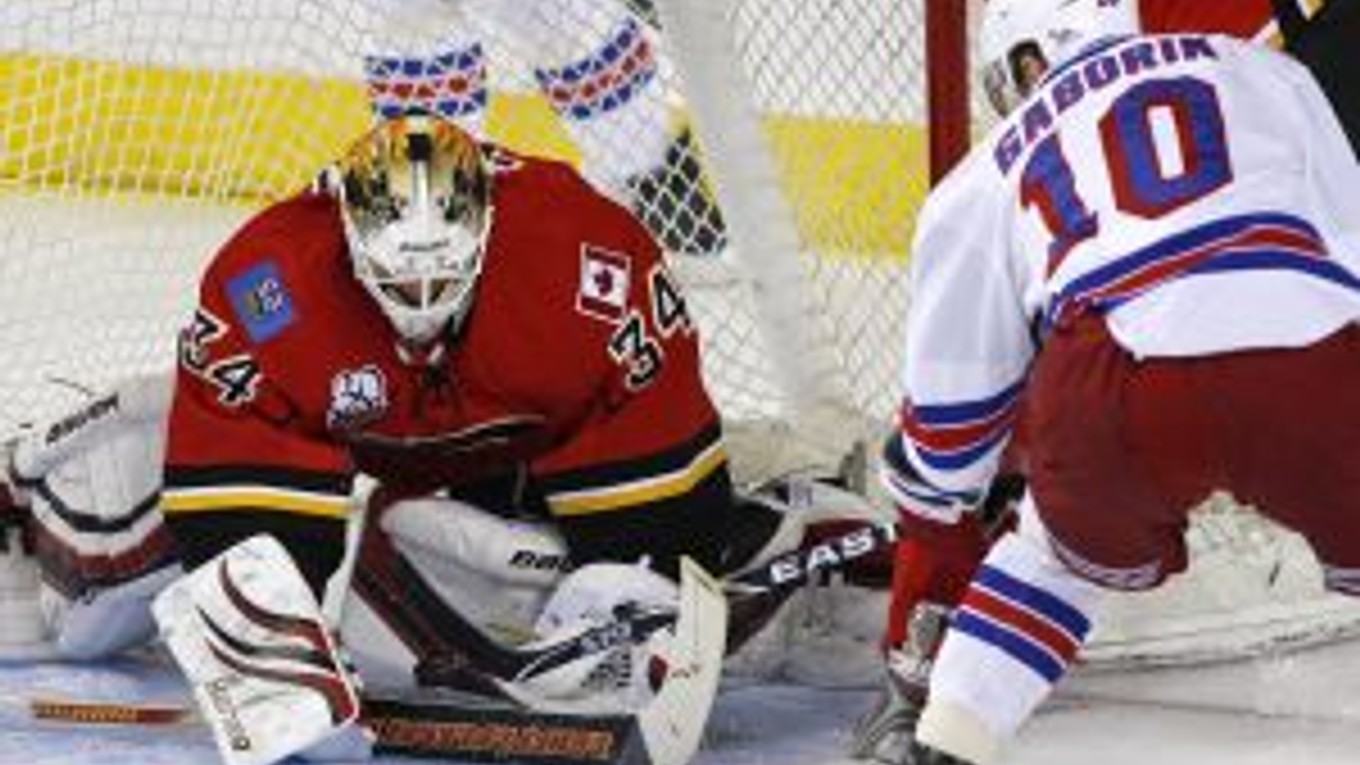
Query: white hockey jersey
x=1196, y=191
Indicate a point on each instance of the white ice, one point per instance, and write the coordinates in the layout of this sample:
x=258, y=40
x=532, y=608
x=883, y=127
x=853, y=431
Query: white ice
x=1297, y=709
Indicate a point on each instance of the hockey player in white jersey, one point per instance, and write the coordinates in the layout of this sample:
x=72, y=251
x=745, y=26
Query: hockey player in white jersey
x=1150, y=267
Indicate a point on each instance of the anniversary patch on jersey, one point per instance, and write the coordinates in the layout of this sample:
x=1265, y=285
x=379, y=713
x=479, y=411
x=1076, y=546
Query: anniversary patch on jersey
x=358, y=398
x=603, y=291
x=261, y=302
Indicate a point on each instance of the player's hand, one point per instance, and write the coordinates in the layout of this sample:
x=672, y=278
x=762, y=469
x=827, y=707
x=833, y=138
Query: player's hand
x=935, y=559
x=953, y=546
x=932, y=564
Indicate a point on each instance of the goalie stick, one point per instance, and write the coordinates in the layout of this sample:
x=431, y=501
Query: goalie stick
x=422, y=728
x=473, y=728
x=417, y=727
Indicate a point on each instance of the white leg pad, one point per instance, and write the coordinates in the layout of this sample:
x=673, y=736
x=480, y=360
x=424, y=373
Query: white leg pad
x=23, y=631
x=113, y=620
x=495, y=572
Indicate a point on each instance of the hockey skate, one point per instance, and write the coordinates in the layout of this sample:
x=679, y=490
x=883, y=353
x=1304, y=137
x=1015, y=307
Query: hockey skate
x=675, y=203
x=920, y=754
x=886, y=733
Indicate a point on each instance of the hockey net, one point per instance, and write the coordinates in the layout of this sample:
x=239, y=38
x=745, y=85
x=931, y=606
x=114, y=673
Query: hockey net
x=137, y=134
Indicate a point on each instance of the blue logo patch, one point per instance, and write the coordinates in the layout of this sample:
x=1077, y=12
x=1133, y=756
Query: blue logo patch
x=261, y=302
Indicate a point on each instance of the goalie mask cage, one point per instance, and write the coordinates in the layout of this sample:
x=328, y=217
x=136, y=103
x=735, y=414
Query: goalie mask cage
x=137, y=134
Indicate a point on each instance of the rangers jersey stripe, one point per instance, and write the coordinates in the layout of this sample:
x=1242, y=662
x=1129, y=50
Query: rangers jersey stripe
x=950, y=436
x=1035, y=627
x=1261, y=241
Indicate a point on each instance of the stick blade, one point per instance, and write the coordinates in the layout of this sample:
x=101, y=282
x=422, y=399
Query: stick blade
x=501, y=733
x=672, y=724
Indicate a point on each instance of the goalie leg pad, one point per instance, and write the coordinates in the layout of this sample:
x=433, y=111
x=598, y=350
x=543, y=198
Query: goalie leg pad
x=791, y=514
x=450, y=542
x=797, y=507
x=115, y=620
x=90, y=481
x=437, y=578
x=249, y=636
x=23, y=633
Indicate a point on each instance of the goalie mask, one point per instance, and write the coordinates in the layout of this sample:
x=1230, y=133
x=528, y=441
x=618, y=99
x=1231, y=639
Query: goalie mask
x=1021, y=39
x=414, y=199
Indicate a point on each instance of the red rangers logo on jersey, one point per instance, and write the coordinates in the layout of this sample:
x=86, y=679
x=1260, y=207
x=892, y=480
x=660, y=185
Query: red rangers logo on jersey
x=603, y=292
x=358, y=398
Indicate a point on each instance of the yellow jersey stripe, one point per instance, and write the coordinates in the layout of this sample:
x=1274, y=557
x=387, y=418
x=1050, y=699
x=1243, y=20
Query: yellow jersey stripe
x=641, y=492
x=254, y=498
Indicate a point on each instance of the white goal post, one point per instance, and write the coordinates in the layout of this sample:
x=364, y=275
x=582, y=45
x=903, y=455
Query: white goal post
x=135, y=135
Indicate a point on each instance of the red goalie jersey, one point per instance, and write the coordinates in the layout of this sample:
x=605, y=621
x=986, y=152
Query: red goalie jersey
x=575, y=377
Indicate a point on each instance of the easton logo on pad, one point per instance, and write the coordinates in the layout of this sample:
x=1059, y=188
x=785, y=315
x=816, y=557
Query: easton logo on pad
x=603, y=292
x=261, y=302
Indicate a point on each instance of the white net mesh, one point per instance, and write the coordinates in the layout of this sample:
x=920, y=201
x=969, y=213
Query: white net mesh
x=139, y=133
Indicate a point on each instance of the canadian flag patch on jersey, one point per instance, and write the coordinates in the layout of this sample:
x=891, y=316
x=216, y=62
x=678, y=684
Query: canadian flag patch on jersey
x=603, y=293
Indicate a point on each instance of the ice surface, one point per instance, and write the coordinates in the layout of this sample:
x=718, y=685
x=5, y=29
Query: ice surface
x=1300, y=709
